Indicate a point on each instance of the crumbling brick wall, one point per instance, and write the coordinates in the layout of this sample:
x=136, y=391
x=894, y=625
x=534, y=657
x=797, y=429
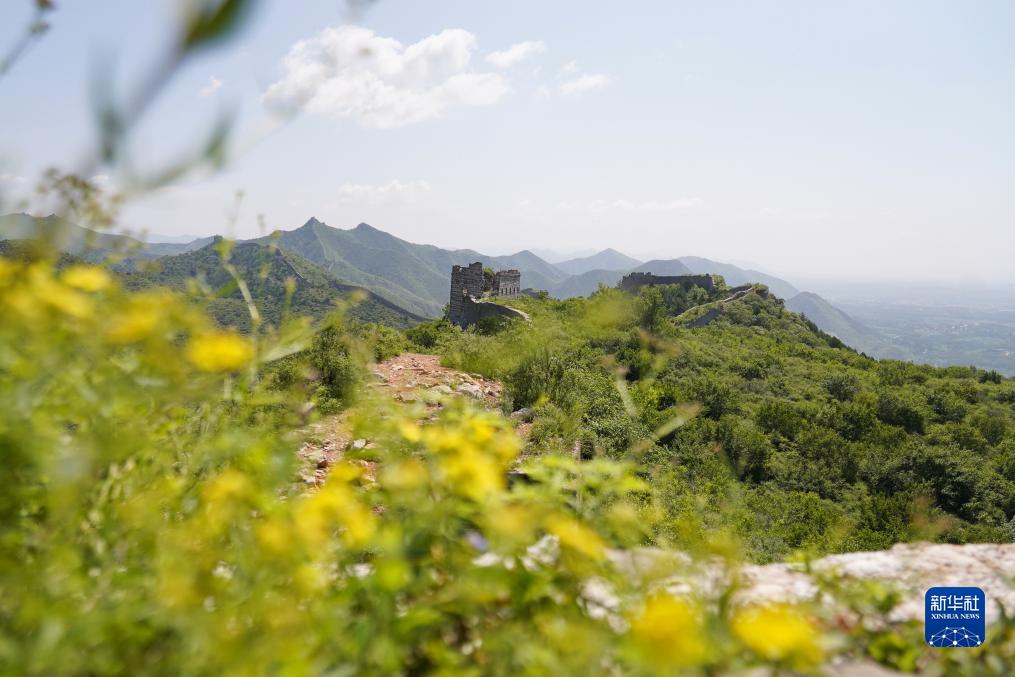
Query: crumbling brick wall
x=635, y=281
x=473, y=311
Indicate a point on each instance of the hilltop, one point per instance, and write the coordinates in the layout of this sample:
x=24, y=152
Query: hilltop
x=607, y=259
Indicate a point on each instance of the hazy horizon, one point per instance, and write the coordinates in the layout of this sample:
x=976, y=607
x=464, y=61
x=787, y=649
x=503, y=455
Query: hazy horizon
x=678, y=130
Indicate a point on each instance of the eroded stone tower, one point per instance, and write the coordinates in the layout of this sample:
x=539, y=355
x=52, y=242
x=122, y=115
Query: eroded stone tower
x=507, y=283
x=466, y=281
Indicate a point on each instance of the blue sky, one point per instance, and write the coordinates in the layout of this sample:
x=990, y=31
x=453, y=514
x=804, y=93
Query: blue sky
x=864, y=139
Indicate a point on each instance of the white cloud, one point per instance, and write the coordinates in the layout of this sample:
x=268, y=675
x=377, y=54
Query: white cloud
x=351, y=72
x=651, y=206
x=213, y=86
x=584, y=83
x=516, y=53
x=13, y=178
x=570, y=68
x=393, y=191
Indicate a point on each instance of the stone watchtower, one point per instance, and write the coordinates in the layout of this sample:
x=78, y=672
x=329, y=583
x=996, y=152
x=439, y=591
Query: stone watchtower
x=467, y=306
x=466, y=281
x=507, y=283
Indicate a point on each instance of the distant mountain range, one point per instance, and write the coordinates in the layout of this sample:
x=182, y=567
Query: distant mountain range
x=414, y=276
x=407, y=281
x=587, y=281
x=89, y=244
x=736, y=276
x=607, y=259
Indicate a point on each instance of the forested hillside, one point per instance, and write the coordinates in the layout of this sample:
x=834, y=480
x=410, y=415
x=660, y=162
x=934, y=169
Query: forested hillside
x=267, y=273
x=798, y=443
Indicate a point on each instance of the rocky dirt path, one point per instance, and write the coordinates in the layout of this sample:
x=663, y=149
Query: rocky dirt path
x=405, y=378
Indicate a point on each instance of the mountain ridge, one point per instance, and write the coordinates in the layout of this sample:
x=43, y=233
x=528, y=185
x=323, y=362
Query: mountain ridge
x=606, y=259
x=415, y=277
x=89, y=244
x=735, y=275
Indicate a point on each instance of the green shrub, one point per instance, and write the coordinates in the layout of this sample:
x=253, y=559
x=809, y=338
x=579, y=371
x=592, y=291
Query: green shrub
x=901, y=409
x=842, y=387
x=427, y=335
x=780, y=417
x=337, y=370
x=946, y=405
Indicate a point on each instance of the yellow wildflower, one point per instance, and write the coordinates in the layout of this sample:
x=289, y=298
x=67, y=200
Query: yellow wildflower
x=445, y=438
x=137, y=323
x=7, y=269
x=227, y=486
x=344, y=471
x=68, y=301
x=778, y=633
x=86, y=278
x=669, y=633
x=274, y=537
x=576, y=536
x=332, y=507
x=42, y=288
x=515, y=522
x=472, y=474
x=410, y=431
x=220, y=351
x=144, y=314
x=480, y=430
x=408, y=474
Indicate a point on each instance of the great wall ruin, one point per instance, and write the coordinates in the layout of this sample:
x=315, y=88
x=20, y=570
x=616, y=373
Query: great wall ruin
x=632, y=282
x=468, y=288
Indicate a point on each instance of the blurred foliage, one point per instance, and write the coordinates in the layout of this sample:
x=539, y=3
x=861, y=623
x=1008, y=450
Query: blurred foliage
x=151, y=521
x=38, y=26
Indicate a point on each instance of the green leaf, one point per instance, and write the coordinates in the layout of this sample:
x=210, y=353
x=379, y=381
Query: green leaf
x=214, y=22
